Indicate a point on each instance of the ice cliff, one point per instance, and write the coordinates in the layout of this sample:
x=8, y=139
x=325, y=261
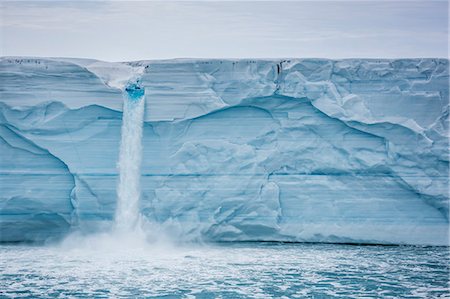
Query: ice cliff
x=278, y=150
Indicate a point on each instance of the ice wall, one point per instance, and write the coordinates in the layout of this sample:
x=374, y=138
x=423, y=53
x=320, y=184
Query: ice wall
x=286, y=150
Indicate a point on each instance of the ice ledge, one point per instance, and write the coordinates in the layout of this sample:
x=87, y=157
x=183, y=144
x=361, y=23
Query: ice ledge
x=369, y=91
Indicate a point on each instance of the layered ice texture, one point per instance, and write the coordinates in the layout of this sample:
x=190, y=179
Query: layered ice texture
x=307, y=150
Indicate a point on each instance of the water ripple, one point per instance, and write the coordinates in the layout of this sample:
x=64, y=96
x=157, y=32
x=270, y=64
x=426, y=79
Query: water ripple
x=231, y=271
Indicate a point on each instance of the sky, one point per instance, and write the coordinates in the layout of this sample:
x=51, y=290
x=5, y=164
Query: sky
x=136, y=30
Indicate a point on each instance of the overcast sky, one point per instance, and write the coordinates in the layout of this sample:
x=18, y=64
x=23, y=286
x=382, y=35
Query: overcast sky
x=134, y=30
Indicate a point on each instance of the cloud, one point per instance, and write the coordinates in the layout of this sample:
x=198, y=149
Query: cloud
x=131, y=30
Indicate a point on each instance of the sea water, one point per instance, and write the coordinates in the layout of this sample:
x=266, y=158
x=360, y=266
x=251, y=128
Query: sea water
x=242, y=270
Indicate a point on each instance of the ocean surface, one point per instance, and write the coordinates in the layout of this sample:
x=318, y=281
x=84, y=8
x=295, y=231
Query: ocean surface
x=245, y=270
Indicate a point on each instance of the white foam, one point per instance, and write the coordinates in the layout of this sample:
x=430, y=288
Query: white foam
x=130, y=157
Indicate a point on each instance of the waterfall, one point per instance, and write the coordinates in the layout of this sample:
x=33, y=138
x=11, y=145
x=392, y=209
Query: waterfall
x=130, y=157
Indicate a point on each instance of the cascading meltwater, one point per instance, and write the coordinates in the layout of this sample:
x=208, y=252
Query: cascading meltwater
x=130, y=158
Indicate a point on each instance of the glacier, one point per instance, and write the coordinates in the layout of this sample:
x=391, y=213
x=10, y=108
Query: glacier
x=292, y=150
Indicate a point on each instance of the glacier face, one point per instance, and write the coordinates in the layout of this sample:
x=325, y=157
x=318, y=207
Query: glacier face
x=279, y=150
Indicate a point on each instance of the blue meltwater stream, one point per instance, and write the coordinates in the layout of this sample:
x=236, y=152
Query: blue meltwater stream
x=130, y=159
